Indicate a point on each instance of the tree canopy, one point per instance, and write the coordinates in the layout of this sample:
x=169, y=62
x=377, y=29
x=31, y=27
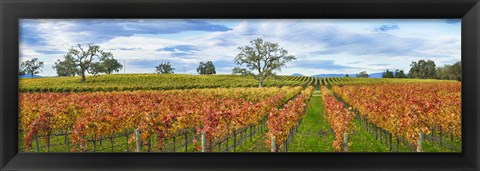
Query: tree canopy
x=387, y=74
x=164, y=68
x=206, y=68
x=240, y=71
x=110, y=64
x=450, y=72
x=423, y=69
x=400, y=74
x=262, y=59
x=31, y=67
x=65, y=67
x=362, y=74
x=79, y=60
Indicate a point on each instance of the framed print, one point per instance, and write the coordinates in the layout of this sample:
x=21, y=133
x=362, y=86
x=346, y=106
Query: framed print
x=239, y=85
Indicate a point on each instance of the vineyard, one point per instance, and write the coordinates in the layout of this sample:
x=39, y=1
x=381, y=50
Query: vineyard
x=339, y=117
x=159, y=114
x=409, y=110
x=132, y=82
x=228, y=113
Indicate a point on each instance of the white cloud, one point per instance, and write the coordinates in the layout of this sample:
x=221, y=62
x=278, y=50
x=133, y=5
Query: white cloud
x=343, y=41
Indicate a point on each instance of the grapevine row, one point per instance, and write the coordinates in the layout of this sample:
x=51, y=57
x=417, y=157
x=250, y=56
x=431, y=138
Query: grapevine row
x=157, y=114
x=282, y=121
x=133, y=82
x=339, y=117
x=408, y=109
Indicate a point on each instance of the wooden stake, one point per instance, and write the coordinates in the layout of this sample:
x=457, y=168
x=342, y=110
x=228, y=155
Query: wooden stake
x=204, y=142
x=398, y=142
x=94, y=145
x=111, y=141
x=186, y=142
x=126, y=139
x=345, y=142
x=419, y=142
x=174, y=144
x=273, y=146
x=137, y=137
x=68, y=144
x=441, y=138
x=234, y=140
x=226, y=146
x=48, y=143
x=36, y=143
x=390, y=141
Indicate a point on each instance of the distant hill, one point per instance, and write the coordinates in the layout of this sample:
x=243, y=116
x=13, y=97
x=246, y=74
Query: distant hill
x=297, y=74
x=332, y=75
x=372, y=75
x=376, y=75
x=29, y=76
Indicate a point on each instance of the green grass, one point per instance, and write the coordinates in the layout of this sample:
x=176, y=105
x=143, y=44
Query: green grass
x=448, y=145
x=362, y=141
x=256, y=144
x=60, y=144
x=313, y=134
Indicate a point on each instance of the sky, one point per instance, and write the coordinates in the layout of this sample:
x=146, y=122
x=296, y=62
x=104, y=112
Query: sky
x=321, y=46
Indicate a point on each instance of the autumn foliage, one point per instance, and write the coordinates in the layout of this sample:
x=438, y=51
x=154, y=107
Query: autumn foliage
x=282, y=121
x=159, y=114
x=339, y=117
x=407, y=109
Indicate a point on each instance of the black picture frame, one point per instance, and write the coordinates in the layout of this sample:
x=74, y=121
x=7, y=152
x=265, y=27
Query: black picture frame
x=13, y=10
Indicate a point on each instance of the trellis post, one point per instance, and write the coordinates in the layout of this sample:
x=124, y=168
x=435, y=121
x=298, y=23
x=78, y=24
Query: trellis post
x=274, y=146
x=419, y=142
x=111, y=141
x=186, y=141
x=390, y=141
x=226, y=145
x=345, y=141
x=126, y=139
x=174, y=143
x=204, y=142
x=137, y=137
x=48, y=143
x=441, y=138
x=36, y=143
x=234, y=140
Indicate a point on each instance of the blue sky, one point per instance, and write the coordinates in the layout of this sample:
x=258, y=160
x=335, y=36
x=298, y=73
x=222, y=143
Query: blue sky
x=321, y=46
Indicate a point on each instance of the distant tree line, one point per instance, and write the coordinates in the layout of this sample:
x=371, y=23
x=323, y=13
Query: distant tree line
x=261, y=59
x=362, y=74
x=396, y=74
x=427, y=70
x=423, y=69
x=204, y=68
x=450, y=72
